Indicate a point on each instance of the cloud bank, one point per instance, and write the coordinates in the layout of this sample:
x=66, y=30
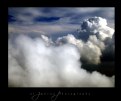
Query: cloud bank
x=40, y=62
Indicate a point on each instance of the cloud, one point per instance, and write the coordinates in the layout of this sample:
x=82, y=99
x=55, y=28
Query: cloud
x=97, y=26
x=59, y=21
x=98, y=36
x=41, y=62
x=65, y=15
x=43, y=29
x=92, y=52
x=34, y=64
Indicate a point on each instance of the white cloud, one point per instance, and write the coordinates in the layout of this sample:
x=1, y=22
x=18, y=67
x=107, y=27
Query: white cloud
x=33, y=64
x=89, y=51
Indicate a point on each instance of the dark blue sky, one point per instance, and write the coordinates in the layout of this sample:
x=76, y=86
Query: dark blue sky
x=11, y=18
x=46, y=19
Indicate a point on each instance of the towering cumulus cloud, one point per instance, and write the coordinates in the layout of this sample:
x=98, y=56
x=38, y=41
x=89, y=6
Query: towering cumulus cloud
x=94, y=38
x=40, y=62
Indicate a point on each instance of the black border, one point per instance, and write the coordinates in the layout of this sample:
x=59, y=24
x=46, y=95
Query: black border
x=25, y=93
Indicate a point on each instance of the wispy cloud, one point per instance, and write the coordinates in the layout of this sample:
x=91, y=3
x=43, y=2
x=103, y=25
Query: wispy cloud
x=29, y=14
x=54, y=20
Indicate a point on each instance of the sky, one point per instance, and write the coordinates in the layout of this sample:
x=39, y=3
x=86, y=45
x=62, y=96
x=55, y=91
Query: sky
x=54, y=20
x=61, y=47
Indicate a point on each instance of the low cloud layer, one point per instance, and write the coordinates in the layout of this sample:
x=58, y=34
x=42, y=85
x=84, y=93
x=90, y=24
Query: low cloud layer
x=40, y=62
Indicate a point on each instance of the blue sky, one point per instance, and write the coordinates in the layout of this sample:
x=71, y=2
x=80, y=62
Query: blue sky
x=54, y=20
